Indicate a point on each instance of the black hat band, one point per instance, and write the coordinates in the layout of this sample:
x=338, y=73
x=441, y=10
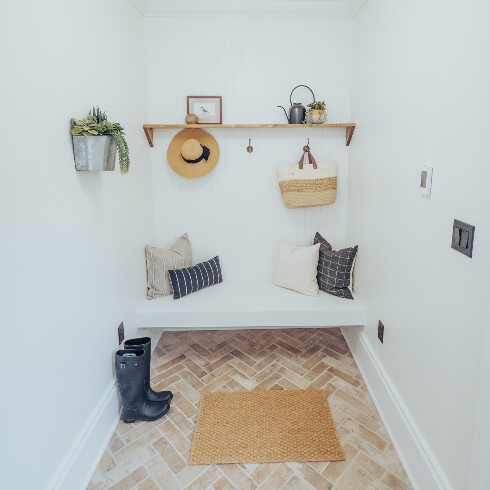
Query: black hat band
x=205, y=155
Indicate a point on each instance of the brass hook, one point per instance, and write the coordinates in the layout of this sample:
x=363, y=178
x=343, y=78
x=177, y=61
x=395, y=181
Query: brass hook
x=250, y=148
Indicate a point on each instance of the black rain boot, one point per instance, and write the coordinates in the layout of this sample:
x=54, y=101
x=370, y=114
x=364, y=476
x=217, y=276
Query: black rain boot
x=144, y=343
x=130, y=374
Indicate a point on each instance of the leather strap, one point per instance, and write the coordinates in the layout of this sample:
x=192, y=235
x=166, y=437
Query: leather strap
x=311, y=158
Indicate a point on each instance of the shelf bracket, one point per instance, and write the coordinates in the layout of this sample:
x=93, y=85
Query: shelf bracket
x=349, y=131
x=149, y=135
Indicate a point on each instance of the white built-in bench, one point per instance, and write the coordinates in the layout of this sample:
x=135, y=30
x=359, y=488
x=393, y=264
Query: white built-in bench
x=248, y=305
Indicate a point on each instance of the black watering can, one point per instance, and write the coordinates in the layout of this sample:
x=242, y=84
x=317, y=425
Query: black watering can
x=297, y=111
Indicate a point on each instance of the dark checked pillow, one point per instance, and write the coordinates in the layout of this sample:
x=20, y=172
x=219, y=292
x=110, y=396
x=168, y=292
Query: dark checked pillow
x=191, y=279
x=334, y=272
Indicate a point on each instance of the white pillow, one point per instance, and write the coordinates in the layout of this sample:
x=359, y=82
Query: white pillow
x=296, y=267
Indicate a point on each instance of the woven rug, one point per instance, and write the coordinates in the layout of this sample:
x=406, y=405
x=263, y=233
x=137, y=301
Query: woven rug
x=265, y=427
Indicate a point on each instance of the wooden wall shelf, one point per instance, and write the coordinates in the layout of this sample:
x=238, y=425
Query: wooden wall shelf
x=349, y=128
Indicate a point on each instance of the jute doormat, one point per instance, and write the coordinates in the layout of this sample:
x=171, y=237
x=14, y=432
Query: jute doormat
x=265, y=427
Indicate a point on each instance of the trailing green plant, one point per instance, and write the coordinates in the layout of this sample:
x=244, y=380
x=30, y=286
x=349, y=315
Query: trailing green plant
x=317, y=106
x=96, y=124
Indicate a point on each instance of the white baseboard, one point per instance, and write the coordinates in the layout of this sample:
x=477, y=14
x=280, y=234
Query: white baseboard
x=418, y=460
x=81, y=460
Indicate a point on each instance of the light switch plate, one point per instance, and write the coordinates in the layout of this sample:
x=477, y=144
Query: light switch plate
x=425, y=184
x=463, y=235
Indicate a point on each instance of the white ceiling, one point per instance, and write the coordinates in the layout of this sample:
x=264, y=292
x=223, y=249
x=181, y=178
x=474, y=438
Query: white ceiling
x=279, y=8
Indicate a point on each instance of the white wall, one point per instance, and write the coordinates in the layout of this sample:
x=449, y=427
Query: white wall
x=72, y=263
x=420, y=94
x=254, y=63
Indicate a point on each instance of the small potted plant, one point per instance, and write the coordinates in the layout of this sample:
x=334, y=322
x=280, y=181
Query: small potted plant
x=95, y=141
x=317, y=112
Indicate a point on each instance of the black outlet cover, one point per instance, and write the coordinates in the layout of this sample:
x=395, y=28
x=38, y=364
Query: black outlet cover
x=120, y=333
x=381, y=331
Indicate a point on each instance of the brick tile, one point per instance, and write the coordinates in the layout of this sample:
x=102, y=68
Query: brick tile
x=184, y=405
x=167, y=452
x=346, y=377
x=131, y=480
x=237, y=476
x=175, y=437
x=180, y=420
x=370, y=466
x=313, y=477
x=263, y=471
x=194, y=368
x=392, y=482
x=165, y=375
x=366, y=434
x=148, y=484
x=206, y=479
x=168, y=364
x=223, y=484
x=162, y=474
x=321, y=381
x=116, y=442
x=296, y=483
x=278, y=478
x=352, y=478
x=336, y=469
x=139, y=445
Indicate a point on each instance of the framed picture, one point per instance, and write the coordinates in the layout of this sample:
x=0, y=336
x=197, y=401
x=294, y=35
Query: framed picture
x=207, y=108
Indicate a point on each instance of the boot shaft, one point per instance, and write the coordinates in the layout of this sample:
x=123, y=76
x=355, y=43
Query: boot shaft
x=145, y=344
x=130, y=373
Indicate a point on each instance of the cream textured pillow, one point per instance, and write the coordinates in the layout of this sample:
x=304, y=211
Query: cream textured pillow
x=296, y=267
x=159, y=261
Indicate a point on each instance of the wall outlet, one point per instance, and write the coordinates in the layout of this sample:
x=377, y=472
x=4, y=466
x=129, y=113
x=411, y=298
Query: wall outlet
x=120, y=333
x=381, y=331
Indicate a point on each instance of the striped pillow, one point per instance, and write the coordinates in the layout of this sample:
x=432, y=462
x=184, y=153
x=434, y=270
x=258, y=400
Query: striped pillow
x=191, y=279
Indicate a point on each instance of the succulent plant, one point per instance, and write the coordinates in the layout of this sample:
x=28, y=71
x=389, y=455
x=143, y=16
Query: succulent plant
x=317, y=106
x=96, y=124
x=98, y=115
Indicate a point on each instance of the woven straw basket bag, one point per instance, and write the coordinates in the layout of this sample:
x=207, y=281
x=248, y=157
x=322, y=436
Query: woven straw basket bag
x=307, y=185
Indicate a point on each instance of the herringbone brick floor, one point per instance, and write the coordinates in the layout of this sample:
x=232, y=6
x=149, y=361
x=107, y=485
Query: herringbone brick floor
x=153, y=455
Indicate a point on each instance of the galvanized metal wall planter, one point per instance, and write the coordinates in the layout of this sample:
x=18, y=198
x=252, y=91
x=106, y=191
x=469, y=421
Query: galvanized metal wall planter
x=94, y=153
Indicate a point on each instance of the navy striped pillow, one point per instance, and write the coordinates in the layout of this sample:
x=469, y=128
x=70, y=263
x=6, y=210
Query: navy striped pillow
x=191, y=279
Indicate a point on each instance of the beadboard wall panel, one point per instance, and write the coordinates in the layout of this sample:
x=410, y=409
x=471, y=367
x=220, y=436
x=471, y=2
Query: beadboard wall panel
x=236, y=210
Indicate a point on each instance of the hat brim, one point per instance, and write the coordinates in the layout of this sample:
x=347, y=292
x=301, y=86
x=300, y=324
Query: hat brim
x=192, y=170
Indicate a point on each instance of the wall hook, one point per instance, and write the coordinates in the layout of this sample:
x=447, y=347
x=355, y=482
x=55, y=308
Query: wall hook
x=250, y=148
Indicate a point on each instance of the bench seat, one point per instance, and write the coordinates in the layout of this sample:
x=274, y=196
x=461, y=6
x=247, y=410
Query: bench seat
x=248, y=305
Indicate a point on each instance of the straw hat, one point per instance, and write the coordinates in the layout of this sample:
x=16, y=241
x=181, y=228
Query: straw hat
x=193, y=153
